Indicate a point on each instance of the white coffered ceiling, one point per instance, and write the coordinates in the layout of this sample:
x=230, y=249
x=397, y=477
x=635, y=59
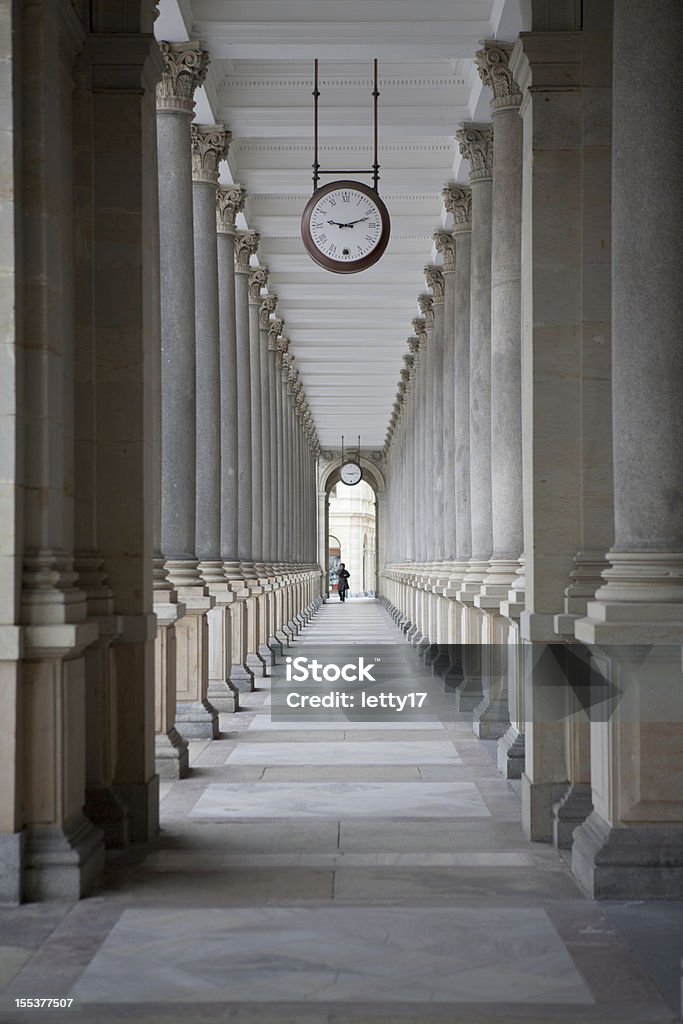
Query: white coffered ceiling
x=347, y=333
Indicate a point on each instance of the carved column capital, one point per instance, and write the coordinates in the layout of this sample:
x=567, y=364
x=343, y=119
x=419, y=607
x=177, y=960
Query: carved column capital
x=184, y=70
x=420, y=328
x=426, y=304
x=275, y=329
x=258, y=279
x=445, y=246
x=229, y=202
x=281, y=348
x=476, y=145
x=414, y=343
x=210, y=144
x=246, y=244
x=457, y=199
x=409, y=361
x=268, y=306
x=434, y=279
x=493, y=66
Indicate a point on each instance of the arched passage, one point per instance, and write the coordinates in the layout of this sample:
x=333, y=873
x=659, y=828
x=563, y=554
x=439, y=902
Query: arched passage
x=328, y=477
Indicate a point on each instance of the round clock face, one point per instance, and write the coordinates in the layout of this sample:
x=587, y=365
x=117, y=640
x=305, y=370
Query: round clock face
x=345, y=227
x=350, y=473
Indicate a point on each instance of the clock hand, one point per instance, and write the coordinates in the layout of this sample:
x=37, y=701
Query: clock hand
x=337, y=223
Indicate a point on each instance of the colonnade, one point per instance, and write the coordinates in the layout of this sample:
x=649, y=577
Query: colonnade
x=159, y=533
x=552, y=320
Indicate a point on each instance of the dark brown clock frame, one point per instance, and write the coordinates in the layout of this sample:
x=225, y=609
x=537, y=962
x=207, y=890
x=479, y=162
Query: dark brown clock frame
x=351, y=462
x=352, y=266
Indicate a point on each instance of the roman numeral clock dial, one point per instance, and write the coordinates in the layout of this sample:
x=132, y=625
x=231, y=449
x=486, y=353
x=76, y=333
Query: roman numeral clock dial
x=345, y=227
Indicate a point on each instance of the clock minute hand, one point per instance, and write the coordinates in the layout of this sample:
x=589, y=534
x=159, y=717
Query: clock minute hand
x=338, y=224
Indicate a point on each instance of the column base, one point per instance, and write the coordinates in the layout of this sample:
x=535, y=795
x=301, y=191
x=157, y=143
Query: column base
x=276, y=648
x=223, y=696
x=569, y=812
x=63, y=862
x=141, y=800
x=511, y=757
x=266, y=655
x=282, y=638
x=107, y=812
x=628, y=863
x=256, y=665
x=171, y=754
x=242, y=678
x=537, y=808
x=197, y=720
x=491, y=718
x=12, y=847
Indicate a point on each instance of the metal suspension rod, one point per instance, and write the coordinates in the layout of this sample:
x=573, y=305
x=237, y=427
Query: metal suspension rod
x=375, y=166
x=316, y=94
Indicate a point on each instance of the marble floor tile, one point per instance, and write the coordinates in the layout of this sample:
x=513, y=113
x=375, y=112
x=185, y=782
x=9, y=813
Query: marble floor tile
x=320, y=954
x=265, y=723
x=344, y=753
x=341, y=800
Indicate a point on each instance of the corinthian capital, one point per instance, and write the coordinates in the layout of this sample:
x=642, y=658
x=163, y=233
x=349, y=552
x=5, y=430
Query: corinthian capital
x=229, y=202
x=476, y=145
x=492, y=63
x=210, y=144
x=268, y=306
x=434, y=279
x=275, y=329
x=246, y=244
x=281, y=347
x=420, y=328
x=409, y=361
x=426, y=304
x=414, y=343
x=184, y=70
x=445, y=246
x=258, y=279
x=457, y=199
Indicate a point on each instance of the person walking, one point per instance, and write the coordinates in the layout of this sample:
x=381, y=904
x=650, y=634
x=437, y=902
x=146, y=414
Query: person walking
x=343, y=584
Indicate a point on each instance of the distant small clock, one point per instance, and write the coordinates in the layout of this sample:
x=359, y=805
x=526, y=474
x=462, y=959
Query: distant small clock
x=351, y=474
x=345, y=227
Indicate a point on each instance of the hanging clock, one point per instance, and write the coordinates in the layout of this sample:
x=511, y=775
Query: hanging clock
x=345, y=227
x=351, y=474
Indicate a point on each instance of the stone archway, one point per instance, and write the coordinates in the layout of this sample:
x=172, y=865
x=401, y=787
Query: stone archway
x=328, y=476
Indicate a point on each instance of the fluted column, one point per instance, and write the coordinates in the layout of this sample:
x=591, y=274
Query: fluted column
x=445, y=246
x=246, y=244
x=258, y=281
x=506, y=321
x=476, y=145
x=435, y=281
x=229, y=202
x=185, y=66
x=209, y=147
x=271, y=329
x=458, y=203
x=631, y=845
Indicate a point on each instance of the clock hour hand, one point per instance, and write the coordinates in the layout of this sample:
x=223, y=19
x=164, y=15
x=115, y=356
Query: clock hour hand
x=336, y=222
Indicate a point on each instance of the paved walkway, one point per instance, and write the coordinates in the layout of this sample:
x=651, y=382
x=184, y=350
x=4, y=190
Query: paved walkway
x=336, y=870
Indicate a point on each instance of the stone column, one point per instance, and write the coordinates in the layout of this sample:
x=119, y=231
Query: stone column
x=242, y=673
x=445, y=246
x=476, y=145
x=458, y=203
x=266, y=308
x=102, y=806
x=547, y=65
x=61, y=853
x=229, y=202
x=185, y=66
x=506, y=320
x=209, y=147
x=631, y=846
x=274, y=331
